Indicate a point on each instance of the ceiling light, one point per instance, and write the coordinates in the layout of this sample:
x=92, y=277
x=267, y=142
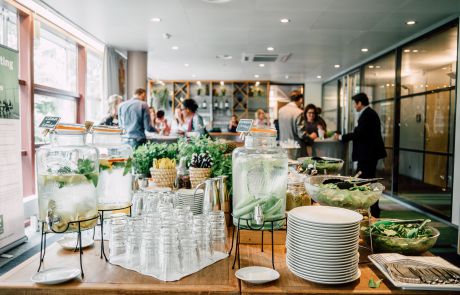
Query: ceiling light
x=193, y=75
x=411, y=22
x=186, y=65
x=222, y=83
x=377, y=67
x=415, y=50
x=224, y=56
x=319, y=77
x=198, y=83
x=257, y=83
x=175, y=47
x=285, y=20
x=406, y=50
x=286, y=77
x=256, y=76
x=216, y=1
x=270, y=48
x=336, y=66
x=444, y=68
x=371, y=67
x=261, y=65
x=155, y=19
x=364, y=49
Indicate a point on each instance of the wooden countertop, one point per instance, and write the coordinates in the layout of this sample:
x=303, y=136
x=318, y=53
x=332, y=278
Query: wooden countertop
x=105, y=278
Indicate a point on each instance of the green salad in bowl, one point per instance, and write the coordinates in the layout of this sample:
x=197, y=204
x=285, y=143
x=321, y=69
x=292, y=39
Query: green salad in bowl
x=354, y=197
x=324, y=165
x=407, y=237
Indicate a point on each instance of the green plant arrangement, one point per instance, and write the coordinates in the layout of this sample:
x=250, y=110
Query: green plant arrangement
x=160, y=97
x=144, y=155
x=223, y=91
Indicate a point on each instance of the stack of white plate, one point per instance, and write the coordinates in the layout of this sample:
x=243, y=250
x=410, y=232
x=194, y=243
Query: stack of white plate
x=322, y=244
x=186, y=198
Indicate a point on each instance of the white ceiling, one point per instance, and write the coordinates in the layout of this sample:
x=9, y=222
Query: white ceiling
x=322, y=33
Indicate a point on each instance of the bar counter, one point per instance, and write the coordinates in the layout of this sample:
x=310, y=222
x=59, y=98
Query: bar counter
x=104, y=278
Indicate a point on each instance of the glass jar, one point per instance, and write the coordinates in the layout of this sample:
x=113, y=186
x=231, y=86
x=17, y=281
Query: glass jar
x=67, y=176
x=260, y=170
x=296, y=195
x=114, y=189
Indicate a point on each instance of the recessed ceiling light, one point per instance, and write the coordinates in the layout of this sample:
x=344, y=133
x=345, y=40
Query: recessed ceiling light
x=193, y=75
x=261, y=65
x=224, y=56
x=270, y=48
x=286, y=77
x=319, y=77
x=336, y=66
x=415, y=50
x=444, y=68
x=216, y=1
x=364, y=49
x=175, y=47
x=155, y=19
x=371, y=67
x=406, y=50
x=222, y=83
x=285, y=20
x=186, y=65
x=377, y=67
x=256, y=76
x=411, y=22
x=257, y=83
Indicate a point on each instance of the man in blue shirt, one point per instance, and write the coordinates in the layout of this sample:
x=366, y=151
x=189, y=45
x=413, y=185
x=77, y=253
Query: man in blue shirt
x=134, y=117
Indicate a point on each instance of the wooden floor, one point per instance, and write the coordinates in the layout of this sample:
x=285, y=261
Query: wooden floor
x=219, y=278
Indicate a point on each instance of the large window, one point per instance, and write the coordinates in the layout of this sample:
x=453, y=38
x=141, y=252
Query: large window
x=55, y=60
x=330, y=104
x=95, y=104
x=428, y=74
x=8, y=28
x=55, y=74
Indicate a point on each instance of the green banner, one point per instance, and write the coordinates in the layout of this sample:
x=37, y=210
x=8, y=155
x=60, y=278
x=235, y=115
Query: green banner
x=9, y=94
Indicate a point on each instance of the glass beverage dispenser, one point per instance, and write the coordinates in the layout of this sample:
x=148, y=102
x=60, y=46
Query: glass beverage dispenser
x=114, y=189
x=260, y=171
x=67, y=176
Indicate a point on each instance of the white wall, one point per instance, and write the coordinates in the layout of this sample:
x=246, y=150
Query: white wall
x=456, y=180
x=313, y=93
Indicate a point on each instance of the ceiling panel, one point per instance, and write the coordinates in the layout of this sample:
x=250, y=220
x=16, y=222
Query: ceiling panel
x=321, y=32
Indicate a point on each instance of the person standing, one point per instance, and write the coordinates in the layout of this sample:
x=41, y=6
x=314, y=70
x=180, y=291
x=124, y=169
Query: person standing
x=368, y=146
x=134, y=117
x=233, y=124
x=292, y=123
x=261, y=120
x=112, y=116
x=193, y=121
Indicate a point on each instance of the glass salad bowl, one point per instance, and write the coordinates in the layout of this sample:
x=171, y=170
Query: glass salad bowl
x=354, y=198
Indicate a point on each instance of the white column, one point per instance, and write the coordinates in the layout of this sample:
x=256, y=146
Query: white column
x=137, y=71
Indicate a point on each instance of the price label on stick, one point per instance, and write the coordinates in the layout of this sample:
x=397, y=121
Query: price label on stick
x=49, y=122
x=244, y=125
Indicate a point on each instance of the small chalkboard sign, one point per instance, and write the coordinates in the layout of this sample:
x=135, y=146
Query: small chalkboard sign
x=49, y=122
x=244, y=125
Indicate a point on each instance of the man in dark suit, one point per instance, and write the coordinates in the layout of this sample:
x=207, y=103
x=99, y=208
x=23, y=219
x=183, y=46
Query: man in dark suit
x=368, y=146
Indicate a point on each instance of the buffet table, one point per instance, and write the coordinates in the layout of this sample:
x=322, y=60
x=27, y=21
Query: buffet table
x=105, y=278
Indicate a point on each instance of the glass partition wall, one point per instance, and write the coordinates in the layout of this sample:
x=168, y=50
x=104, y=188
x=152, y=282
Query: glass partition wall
x=412, y=88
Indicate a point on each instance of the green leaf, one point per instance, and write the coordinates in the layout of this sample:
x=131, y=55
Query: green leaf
x=61, y=184
x=93, y=177
x=128, y=166
x=374, y=284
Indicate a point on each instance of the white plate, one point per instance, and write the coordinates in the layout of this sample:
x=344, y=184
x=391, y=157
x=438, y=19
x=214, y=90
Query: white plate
x=327, y=264
x=321, y=276
x=69, y=243
x=323, y=249
x=302, y=222
x=325, y=281
x=326, y=215
x=55, y=275
x=325, y=234
x=320, y=258
x=257, y=274
x=320, y=240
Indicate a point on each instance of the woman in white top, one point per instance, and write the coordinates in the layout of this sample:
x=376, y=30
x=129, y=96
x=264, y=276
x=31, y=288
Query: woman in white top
x=261, y=119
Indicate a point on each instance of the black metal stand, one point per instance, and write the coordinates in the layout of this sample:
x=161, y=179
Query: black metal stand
x=101, y=214
x=43, y=240
x=249, y=227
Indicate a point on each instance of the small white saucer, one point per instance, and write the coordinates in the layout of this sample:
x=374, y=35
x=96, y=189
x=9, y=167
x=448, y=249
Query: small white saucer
x=55, y=275
x=257, y=274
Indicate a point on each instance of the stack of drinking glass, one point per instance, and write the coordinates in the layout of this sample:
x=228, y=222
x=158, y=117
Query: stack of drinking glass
x=165, y=240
